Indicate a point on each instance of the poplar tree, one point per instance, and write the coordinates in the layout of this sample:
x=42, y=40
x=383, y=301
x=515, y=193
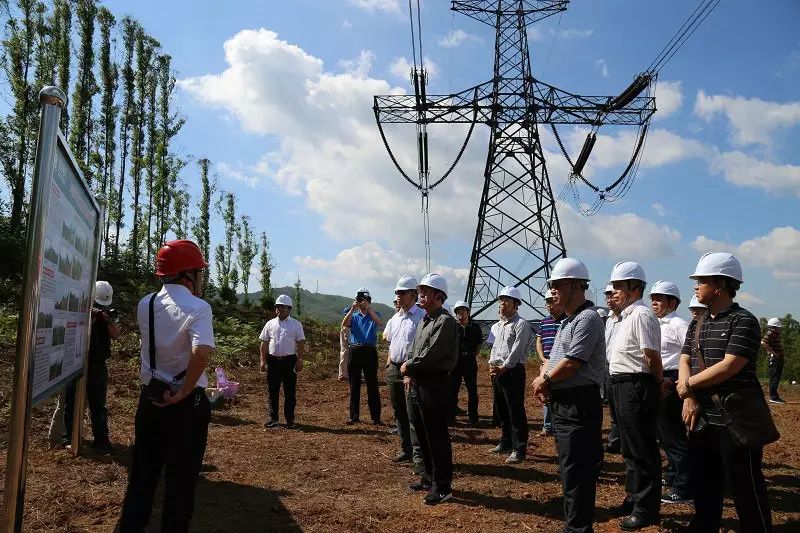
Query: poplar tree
x=108, y=118
x=265, y=269
x=62, y=12
x=150, y=158
x=180, y=212
x=85, y=87
x=130, y=30
x=297, y=305
x=247, y=250
x=226, y=271
x=200, y=228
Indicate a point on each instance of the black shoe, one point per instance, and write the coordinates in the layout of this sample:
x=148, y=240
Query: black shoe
x=271, y=424
x=289, y=425
x=351, y=421
x=402, y=457
x=612, y=448
x=434, y=498
x=102, y=446
x=635, y=523
x=623, y=510
x=500, y=449
x=473, y=422
x=419, y=469
x=420, y=485
x=377, y=423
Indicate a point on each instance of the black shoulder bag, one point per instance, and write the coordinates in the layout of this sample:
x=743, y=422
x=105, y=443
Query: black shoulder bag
x=744, y=413
x=157, y=387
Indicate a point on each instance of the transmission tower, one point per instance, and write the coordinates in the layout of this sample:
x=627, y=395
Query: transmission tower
x=518, y=236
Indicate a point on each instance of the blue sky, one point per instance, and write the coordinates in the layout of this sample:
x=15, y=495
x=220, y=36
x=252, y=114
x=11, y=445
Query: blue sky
x=278, y=96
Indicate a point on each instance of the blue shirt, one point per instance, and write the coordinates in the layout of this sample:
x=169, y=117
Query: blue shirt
x=362, y=329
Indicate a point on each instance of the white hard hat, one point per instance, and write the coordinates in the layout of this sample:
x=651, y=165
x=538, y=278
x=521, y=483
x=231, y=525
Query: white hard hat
x=666, y=288
x=511, y=292
x=549, y=295
x=460, y=303
x=434, y=281
x=609, y=288
x=696, y=303
x=283, y=300
x=718, y=264
x=569, y=268
x=406, y=283
x=103, y=293
x=602, y=311
x=774, y=322
x=627, y=270
x=448, y=309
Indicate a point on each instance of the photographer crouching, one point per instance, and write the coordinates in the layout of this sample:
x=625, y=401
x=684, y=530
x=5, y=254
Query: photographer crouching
x=104, y=329
x=171, y=427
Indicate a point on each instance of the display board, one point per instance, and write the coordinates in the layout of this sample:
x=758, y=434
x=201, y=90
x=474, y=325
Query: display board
x=66, y=275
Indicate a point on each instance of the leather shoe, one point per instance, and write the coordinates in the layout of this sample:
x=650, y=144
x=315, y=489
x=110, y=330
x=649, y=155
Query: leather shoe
x=612, y=448
x=635, y=523
x=402, y=457
x=625, y=509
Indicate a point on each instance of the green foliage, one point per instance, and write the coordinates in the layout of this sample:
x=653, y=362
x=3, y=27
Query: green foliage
x=247, y=252
x=267, y=301
x=8, y=328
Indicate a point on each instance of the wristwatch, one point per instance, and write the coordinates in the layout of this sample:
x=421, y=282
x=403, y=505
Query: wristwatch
x=546, y=377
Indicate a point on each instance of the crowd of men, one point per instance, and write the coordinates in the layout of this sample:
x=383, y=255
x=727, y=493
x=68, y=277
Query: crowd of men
x=661, y=376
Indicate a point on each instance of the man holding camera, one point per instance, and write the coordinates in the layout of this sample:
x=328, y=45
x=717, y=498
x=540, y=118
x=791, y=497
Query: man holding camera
x=363, y=322
x=104, y=329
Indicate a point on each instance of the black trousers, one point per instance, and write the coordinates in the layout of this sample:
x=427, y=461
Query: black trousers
x=96, y=392
x=578, y=422
x=429, y=400
x=510, y=394
x=713, y=459
x=172, y=438
x=613, y=434
x=636, y=399
x=672, y=433
x=775, y=371
x=281, y=371
x=467, y=370
x=397, y=395
x=364, y=359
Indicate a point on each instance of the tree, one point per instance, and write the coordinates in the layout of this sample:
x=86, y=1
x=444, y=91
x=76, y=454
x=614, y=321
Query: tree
x=180, y=212
x=247, y=252
x=150, y=160
x=265, y=268
x=85, y=87
x=130, y=31
x=201, y=227
x=226, y=271
x=62, y=13
x=297, y=306
x=108, y=117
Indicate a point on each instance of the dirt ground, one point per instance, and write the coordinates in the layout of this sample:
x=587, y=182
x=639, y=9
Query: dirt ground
x=325, y=476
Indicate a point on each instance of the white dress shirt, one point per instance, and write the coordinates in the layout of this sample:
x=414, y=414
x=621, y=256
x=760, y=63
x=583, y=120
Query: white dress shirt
x=399, y=332
x=637, y=331
x=512, y=341
x=182, y=321
x=282, y=336
x=673, y=335
x=612, y=323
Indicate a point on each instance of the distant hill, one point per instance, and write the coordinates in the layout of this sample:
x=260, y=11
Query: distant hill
x=323, y=307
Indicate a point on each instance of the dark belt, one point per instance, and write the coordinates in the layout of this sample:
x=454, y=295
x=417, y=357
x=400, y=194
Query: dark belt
x=398, y=365
x=361, y=345
x=282, y=356
x=631, y=377
x=671, y=374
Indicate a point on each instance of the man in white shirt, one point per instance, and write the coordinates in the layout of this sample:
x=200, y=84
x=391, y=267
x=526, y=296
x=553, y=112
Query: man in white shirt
x=665, y=299
x=282, y=351
x=171, y=426
x=399, y=333
x=636, y=377
x=613, y=445
x=507, y=364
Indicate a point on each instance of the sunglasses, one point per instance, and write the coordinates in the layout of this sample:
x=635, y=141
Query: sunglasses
x=400, y=293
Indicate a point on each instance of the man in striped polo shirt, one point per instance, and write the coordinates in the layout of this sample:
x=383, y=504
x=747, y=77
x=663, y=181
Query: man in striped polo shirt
x=728, y=343
x=544, y=343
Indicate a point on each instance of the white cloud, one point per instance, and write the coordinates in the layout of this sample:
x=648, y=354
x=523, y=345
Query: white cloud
x=752, y=120
x=616, y=236
x=778, y=251
x=238, y=174
x=360, y=66
x=749, y=300
x=669, y=98
x=601, y=64
x=575, y=34
x=659, y=209
x=372, y=265
x=346, y=24
x=401, y=68
x=457, y=38
x=746, y=171
x=390, y=6
x=541, y=33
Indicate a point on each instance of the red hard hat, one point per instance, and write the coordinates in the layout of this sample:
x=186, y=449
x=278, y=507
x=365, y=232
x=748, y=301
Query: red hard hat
x=179, y=256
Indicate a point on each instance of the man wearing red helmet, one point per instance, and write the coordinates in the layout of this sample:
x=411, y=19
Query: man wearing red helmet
x=173, y=414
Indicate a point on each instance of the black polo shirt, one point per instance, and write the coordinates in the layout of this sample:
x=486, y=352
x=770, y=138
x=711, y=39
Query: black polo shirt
x=735, y=331
x=470, y=339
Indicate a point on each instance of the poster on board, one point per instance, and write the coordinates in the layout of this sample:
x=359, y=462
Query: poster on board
x=67, y=272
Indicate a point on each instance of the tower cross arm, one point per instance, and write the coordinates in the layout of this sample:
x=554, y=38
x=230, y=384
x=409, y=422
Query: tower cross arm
x=547, y=104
